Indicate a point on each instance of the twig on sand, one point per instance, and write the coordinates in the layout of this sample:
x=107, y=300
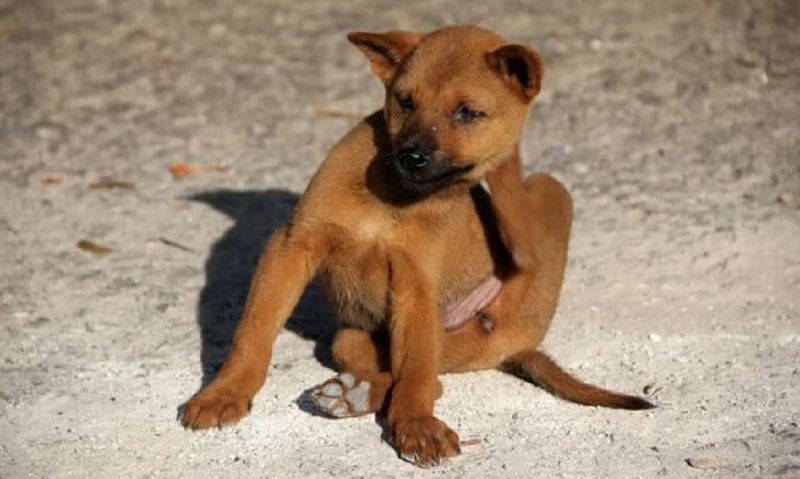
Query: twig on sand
x=322, y=112
x=174, y=244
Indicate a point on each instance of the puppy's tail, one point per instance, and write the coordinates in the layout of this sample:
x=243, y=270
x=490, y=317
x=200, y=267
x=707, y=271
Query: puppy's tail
x=537, y=367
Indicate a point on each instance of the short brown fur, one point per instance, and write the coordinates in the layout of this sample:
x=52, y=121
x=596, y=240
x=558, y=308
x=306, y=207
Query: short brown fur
x=397, y=228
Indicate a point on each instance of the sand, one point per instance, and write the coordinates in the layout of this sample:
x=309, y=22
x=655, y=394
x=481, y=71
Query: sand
x=675, y=125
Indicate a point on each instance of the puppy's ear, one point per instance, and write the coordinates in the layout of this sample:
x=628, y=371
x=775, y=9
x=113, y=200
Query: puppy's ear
x=521, y=66
x=385, y=51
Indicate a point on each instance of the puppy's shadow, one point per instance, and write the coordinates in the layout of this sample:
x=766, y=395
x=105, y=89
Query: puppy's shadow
x=229, y=269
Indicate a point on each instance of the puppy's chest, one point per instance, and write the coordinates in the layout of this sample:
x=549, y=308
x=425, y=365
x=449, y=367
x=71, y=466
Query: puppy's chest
x=355, y=276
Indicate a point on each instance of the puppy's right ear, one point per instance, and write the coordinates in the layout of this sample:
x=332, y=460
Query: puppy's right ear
x=521, y=66
x=385, y=51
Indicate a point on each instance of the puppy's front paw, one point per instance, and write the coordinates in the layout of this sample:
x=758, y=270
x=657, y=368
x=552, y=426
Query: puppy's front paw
x=213, y=408
x=343, y=396
x=425, y=441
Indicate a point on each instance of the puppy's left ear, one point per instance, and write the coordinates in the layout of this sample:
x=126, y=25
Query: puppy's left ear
x=521, y=66
x=385, y=51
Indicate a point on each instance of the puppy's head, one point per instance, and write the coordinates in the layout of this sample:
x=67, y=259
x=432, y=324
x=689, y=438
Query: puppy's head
x=456, y=101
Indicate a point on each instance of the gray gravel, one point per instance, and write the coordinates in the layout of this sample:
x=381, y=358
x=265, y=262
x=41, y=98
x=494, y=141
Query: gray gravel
x=674, y=123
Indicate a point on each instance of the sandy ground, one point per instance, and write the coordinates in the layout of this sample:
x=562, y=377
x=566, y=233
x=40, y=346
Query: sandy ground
x=676, y=125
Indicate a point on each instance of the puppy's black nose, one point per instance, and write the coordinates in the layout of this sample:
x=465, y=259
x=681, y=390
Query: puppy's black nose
x=412, y=158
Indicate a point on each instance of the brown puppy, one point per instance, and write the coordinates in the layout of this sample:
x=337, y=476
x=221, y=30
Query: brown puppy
x=407, y=244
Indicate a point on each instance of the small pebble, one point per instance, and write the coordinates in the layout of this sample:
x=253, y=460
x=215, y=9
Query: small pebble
x=217, y=29
x=786, y=199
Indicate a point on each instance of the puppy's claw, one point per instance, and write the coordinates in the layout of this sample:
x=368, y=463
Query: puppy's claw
x=409, y=457
x=213, y=409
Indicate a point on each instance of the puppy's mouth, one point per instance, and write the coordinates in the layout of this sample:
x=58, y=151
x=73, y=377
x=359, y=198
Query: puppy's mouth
x=432, y=180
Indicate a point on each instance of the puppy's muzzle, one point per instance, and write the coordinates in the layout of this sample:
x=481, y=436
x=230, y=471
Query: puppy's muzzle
x=420, y=171
x=412, y=160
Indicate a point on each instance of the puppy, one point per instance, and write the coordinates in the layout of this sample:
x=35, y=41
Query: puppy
x=427, y=272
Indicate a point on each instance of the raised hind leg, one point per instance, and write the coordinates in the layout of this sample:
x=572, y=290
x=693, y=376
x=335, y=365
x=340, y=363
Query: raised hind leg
x=534, y=217
x=538, y=246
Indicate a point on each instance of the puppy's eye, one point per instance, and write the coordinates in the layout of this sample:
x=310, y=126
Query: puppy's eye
x=465, y=114
x=406, y=104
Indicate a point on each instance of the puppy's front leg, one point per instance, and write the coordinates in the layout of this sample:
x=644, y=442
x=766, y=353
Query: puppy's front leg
x=416, y=351
x=286, y=266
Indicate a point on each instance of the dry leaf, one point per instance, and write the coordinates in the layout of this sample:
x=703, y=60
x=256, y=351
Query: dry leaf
x=93, y=248
x=51, y=180
x=180, y=170
x=111, y=184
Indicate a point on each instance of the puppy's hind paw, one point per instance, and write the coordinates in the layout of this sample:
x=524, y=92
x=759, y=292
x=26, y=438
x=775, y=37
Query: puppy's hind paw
x=343, y=396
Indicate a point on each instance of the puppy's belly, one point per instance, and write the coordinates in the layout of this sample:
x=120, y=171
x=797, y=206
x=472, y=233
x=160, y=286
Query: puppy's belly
x=360, y=302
